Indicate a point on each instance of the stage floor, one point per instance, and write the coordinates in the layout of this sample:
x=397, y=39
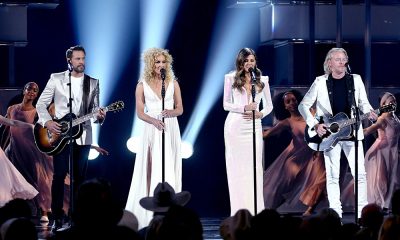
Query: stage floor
x=210, y=226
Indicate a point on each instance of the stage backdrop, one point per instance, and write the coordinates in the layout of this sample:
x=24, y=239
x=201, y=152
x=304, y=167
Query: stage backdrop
x=7, y=96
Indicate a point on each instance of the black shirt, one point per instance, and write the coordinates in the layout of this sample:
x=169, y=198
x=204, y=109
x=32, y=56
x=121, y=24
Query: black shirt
x=340, y=101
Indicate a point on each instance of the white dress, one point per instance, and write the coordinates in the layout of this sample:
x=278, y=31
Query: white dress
x=238, y=134
x=151, y=143
x=12, y=183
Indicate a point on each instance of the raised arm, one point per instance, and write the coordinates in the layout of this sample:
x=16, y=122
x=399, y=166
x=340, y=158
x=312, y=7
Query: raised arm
x=277, y=128
x=14, y=123
x=380, y=124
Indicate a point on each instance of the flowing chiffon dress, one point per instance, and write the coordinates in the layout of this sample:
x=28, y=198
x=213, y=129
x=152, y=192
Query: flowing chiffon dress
x=35, y=166
x=148, y=162
x=296, y=174
x=238, y=134
x=12, y=183
x=382, y=164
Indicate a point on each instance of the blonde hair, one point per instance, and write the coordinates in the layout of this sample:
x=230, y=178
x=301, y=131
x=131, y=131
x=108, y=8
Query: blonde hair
x=328, y=57
x=149, y=59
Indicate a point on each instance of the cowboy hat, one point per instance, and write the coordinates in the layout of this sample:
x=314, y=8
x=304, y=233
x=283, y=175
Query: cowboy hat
x=164, y=196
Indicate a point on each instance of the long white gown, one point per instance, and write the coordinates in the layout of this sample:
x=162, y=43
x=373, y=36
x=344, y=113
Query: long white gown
x=151, y=145
x=12, y=183
x=238, y=134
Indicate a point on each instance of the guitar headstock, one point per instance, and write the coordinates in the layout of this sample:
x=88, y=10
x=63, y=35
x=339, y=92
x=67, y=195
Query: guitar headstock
x=116, y=106
x=387, y=108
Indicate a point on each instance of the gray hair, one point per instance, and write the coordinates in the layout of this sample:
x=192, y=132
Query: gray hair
x=328, y=57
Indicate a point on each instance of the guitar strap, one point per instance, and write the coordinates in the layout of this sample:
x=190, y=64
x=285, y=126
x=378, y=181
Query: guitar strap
x=329, y=86
x=350, y=90
x=86, y=93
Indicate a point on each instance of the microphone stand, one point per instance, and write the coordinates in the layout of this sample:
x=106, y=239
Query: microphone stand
x=253, y=94
x=357, y=124
x=71, y=150
x=163, y=131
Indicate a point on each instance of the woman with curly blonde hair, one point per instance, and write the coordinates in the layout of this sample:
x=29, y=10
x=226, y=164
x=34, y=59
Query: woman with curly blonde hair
x=148, y=167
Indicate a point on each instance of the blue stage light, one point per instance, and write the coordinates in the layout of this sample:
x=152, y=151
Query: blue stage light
x=235, y=29
x=105, y=30
x=157, y=17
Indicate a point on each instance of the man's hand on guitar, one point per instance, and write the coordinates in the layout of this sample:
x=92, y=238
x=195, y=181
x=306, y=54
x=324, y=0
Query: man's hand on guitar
x=53, y=127
x=101, y=115
x=321, y=129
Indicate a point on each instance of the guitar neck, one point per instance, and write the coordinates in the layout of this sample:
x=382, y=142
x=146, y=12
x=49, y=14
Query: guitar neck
x=362, y=117
x=83, y=119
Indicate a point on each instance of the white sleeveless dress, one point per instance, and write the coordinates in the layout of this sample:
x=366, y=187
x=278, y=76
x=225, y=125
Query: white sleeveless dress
x=151, y=143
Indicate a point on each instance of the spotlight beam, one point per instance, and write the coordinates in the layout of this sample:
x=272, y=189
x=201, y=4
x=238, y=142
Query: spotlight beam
x=104, y=29
x=236, y=28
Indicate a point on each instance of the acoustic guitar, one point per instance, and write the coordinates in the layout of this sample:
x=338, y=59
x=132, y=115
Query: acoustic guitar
x=339, y=127
x=52, y=144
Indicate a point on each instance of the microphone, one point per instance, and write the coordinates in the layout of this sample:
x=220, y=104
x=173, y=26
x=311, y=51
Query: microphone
x=70, y=67
x=253, y=83
x=162, y=72
x=348, y=68
x=252, y=75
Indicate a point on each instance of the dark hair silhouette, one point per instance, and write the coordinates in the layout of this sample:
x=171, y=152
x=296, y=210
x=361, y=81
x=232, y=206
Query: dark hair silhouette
x=280, y=111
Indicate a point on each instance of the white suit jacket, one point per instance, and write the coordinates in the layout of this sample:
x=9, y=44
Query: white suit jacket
x=318, y=93
x=57, y=88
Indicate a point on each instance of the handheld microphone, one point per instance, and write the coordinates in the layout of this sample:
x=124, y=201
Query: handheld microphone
x=162, y=72
x=252, y=75
x=70, y=67
x=348, y=68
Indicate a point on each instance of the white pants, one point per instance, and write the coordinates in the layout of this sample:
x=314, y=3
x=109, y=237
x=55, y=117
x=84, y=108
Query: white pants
x=332, y=166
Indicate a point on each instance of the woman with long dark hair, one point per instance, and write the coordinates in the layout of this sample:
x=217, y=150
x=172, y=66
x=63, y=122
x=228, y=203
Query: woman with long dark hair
x=238, y=131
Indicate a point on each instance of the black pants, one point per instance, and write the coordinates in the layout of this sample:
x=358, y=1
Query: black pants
x=61, y=168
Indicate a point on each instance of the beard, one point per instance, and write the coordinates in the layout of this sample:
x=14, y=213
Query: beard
x=80, y=68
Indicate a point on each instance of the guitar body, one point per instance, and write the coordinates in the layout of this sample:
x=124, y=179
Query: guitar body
x=338, y=128
x=52, y=144
x=334, y=133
